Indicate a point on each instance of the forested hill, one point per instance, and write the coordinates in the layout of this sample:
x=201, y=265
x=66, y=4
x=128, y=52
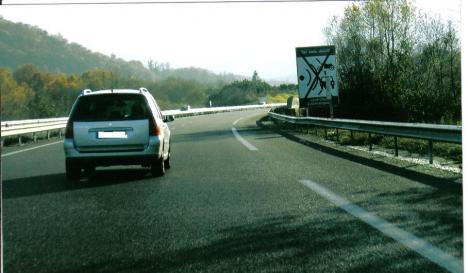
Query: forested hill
x=24, y=44
x=204, y=76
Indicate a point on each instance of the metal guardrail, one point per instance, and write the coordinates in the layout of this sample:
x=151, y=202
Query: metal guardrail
x=211, y=110
x=30, y=121
x=33, y=126
x=430, y=132
x=435, y=132
x=17, y=127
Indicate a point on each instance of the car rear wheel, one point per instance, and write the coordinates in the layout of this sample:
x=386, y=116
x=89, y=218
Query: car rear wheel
x=158, y=167
x=73, y=170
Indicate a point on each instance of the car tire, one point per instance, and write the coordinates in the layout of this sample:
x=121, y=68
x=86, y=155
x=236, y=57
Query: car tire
x=158, y=167
x=73, y=170
x=167, y=162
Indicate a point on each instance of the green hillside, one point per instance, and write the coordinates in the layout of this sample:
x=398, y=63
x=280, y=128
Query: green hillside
x=41, y=75
x=200, y=75
x=24, y=44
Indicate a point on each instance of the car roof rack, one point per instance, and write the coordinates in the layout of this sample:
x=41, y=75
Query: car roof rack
x=142, y=89
x=87, y=91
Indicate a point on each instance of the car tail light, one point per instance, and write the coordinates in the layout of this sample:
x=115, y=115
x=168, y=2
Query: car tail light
x=154, y=129
x=69, y=129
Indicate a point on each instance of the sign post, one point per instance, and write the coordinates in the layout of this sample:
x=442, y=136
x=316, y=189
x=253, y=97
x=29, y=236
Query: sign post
x=329, y=94
x=316, y=72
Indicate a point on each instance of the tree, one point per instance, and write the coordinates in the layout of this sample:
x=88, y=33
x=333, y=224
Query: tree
x=255, y=76
x=15, y=97
x=386, y=72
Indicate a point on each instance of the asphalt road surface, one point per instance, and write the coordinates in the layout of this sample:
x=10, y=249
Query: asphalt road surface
x=238, y=198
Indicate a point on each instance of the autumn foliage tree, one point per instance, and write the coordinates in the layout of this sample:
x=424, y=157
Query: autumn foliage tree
x=15, y=98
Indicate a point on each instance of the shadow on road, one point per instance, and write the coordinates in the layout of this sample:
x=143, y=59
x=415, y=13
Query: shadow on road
x=434, y=214
x=443, y=184
x=281, y=244
x=58, y=183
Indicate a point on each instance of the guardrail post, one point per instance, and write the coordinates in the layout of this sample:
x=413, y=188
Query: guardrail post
x=1, y=143
x=19, y=140
x=352, y=136
x=34, y=138
x=337, y=136
x=326, y=133
x=60, y=133
x=430, y=152
x=395, y=140
x=370, y=142
x=48, y=134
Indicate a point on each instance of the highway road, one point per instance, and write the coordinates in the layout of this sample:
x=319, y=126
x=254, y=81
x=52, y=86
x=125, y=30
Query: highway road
x=238, y=198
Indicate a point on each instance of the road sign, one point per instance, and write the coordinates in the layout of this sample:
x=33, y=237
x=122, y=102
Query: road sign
x=316, y=72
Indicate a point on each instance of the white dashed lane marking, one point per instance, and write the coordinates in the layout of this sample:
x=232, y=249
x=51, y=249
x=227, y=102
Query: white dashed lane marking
x=425, y=249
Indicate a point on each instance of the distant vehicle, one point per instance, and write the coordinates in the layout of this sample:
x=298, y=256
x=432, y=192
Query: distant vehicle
x=185, y=108
x=116, y=127
x=262, y=100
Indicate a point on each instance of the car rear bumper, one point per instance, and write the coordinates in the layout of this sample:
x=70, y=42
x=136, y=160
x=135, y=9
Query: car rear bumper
x=102, y=157
x=113, y=160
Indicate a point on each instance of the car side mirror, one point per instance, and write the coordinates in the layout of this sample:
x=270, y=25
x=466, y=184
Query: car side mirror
x=168, y=118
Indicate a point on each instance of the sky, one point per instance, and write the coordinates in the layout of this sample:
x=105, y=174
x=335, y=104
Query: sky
x=233, y=38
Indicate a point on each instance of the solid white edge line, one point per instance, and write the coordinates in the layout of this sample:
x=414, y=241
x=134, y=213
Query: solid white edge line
x=243, y=141
x=240, y=138
x=237, y=120
x=32, y=148
x=425, y=249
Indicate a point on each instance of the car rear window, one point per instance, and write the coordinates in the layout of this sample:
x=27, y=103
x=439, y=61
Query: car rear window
x=108, y=107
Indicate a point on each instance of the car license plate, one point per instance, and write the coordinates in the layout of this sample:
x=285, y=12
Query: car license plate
x=114, y=134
